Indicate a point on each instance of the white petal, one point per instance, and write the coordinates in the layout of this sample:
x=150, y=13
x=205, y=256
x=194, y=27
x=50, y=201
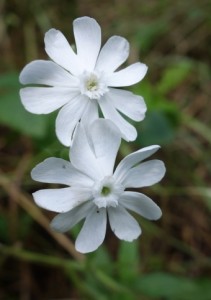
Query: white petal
x=93, y=231
x=82, y=156
x=128, y=131
x=90, y=113
x=132, y=159
x=47, y=73
x=59, y=50
x=141, y=204
x=128, y=76
x=113, y=54
x=65, y=221
x=44, y=100
x=131, y=105
x=124, y=226
x=106, y=139
x=57, y=170
x=68, y=118
x=146, y=174
x=61, y=200
x=88, y=41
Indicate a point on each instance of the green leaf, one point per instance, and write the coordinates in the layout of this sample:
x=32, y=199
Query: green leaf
x=102, y=260
x=155, y=129
x=172, y=287
x=174, y=75
x=146, y=90
x=149, y=34
x=128, y=261
x=156, y=101
x=204, y=290
x=166, y=286
x=12, y=112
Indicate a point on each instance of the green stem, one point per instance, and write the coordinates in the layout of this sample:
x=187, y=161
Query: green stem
x=110, y=283
x=34, y=257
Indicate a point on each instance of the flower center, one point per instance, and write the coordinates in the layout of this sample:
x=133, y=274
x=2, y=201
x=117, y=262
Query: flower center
x=93, y=85
x=107, y=192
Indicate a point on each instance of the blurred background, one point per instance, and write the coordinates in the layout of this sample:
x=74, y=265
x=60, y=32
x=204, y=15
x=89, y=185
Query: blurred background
x=171, y=260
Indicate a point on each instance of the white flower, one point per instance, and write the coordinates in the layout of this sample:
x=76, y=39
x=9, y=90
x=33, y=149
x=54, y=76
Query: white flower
x=84, y=82
x=94, y=190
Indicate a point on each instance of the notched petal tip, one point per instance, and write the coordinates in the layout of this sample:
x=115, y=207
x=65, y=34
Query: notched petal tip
x=24, y=101
x=57, y=227
x=128, y=76
x=122, y=44
x=142, y=68
x=143, y=105
x=23, y=74
x=151, y=147
x=85, y=19
x=131, y=134
x=28, y=71
x=54, y=38
x=162, y=169
x=51, y=34
x=157, y=215
x=141, y=205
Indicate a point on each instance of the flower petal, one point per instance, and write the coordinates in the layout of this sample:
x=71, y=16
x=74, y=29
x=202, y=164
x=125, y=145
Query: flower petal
x=47, y=73
x=141, y=204
x=44, y=100
x=128, y=76
x=124, y=226
x=131, y=105
x=82, y=155
x=128, y=131
x=90, y=113
x=68, y=118
x=59, y=50
x=106, y=139
x=57, y=170
x=65, y=221
x=132, y=159
x=146, y=174
x=87, y=34
x=93, y=231
x=113, y=54
x=62, y=200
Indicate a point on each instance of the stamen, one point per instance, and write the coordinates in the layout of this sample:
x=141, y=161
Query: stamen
x=93, y=85
x=105, y=191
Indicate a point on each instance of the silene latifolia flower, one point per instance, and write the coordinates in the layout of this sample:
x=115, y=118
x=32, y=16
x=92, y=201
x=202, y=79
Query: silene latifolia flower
x=94, y=190
x=85, y=82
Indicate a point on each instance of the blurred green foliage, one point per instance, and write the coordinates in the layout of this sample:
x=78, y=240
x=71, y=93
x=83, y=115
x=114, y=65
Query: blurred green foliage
x=13, y=114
